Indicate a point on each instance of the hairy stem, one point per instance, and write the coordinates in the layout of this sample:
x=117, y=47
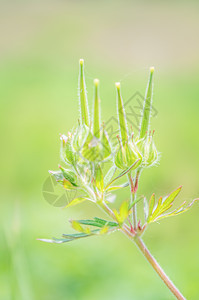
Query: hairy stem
x=140, y=244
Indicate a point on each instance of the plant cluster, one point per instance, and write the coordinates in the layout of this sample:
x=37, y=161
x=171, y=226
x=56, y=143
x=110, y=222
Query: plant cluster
x=84, y=152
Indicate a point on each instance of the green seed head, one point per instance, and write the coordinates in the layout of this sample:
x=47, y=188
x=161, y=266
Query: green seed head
x=126, y=155
x=148, y=150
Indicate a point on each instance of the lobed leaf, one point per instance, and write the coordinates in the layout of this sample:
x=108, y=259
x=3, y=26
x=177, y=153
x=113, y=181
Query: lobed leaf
x=159, y=211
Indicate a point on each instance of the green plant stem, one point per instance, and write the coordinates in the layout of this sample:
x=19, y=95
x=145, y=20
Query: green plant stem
x=140, y=244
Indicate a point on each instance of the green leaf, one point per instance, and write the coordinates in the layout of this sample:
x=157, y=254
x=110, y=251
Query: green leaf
x=76, y=201
x=70, y=237
x=151, y=204
x=181, y=209
x=96, y=115
x=75, y=225
x=121, y=116
x=99, y=178
x=104, y=226
x=144, y=126
x=84, y=112
x=98, y=222
x=123, y=213
x=162, y=206
x=169, y=199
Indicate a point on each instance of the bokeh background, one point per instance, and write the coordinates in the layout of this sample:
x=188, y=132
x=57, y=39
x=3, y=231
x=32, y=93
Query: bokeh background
x=40, y=45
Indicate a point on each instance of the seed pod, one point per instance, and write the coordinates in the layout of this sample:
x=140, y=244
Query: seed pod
x=79, y=137
x=84, y=111
x=96, y=114
x=148, y=150
x=96, y=150
x=67, y=153
x=66, y=178
x=127, y=155
x=146, y=113
x=121, y=116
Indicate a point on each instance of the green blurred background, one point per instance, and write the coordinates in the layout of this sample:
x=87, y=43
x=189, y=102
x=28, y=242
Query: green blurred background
x=40, y=45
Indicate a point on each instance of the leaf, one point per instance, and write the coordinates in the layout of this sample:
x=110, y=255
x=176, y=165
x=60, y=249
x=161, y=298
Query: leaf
x=171, y=197
x=123, y=212
x=104, y=226
x=76, y=201
x=122, y=173
x=77, y=226
x=104, y=230
x=164, y=205
x=151, y=204
x=181, y=209
x=121, y=115
x=84, y=112
x=70, y=237
x=98, y=222
x=144, y=126
x=99, y=181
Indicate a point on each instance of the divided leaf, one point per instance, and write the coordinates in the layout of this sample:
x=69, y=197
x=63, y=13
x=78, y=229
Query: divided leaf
x=104, y=226
x=159, y=211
